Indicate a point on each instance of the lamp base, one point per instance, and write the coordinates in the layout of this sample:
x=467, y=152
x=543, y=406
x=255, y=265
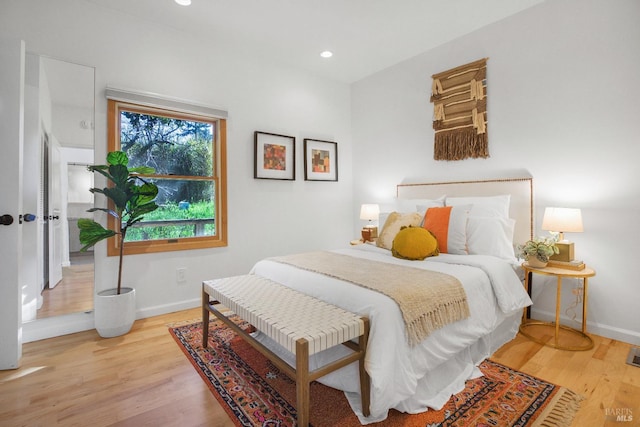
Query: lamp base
x=374, y=231
x=369, y=233
x=566, y=252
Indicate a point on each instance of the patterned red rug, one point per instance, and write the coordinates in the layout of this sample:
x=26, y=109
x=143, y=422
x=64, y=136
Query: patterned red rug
x=255, y=393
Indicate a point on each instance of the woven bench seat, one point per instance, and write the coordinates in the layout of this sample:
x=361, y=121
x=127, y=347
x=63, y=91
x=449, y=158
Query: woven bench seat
x=302, y=324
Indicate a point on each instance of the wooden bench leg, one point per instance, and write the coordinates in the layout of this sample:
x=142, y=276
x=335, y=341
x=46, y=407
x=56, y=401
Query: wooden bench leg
x=365, y=383
x=302, y=382
x=205, y=319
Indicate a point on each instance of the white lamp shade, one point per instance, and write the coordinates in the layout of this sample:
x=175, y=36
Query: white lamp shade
x=562, y=220
x=369, y=212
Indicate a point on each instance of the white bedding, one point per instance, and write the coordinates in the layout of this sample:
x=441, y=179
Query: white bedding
x=411, y=379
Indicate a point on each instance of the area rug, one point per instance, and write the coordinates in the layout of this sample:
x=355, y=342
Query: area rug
x=255, y=393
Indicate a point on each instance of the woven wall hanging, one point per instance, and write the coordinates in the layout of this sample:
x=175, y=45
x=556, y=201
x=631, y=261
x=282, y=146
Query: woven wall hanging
x=459, y=98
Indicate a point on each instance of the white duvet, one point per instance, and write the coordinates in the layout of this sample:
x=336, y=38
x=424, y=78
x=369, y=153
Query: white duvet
x=413, y=379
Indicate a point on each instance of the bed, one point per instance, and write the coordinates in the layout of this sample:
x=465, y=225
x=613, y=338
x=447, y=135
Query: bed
x=413, y=377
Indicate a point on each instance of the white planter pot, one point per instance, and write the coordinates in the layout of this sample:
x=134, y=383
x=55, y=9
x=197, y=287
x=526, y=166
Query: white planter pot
x=115, y=314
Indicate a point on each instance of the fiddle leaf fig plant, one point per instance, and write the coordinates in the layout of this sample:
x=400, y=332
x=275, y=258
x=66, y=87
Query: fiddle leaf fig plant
x=131, y=198
x=540, y=247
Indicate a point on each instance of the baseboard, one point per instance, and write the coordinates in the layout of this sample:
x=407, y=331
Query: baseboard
x=624, y=335
x=78, y=322
x=167, y=308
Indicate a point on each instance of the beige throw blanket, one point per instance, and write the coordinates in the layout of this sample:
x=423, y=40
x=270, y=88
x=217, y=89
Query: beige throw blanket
x=427, y=299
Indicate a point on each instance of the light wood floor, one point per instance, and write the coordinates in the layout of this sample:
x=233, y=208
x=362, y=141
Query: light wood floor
x=73, y=294
x=143, y=378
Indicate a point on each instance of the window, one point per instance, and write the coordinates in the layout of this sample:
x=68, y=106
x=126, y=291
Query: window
x=188, y=152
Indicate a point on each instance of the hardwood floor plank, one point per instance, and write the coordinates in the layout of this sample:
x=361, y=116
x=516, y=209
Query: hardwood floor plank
x=144, y=379
x=599, y=374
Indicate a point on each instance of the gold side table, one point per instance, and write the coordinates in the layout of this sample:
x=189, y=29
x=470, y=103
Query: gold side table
x=559, y=273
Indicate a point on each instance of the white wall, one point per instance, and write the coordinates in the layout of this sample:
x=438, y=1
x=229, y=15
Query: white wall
x=563, y=94
x=266, y=217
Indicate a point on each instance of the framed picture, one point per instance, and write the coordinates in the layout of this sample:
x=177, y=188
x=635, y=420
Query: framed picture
x=275, y=156
x=320, y=160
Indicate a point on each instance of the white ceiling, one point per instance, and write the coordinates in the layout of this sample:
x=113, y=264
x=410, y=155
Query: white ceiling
x=365, y=36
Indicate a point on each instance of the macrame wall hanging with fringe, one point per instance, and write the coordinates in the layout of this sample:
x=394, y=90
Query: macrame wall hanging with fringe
x=459, y=98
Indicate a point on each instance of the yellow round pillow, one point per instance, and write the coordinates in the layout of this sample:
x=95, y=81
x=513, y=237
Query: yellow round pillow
x=414, y=243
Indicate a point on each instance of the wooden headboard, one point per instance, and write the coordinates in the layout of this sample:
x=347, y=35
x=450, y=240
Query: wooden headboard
x=520, y=189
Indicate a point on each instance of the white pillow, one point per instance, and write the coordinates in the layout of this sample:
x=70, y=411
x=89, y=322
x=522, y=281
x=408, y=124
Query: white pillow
x=491, y=236
x=489, y=206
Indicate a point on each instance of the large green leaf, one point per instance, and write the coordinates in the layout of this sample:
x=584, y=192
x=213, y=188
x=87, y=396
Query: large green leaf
x=136, y=213
x=118, y=158
x=144, y=193
x=119, y=174
x=118, y=196
x=91, y=233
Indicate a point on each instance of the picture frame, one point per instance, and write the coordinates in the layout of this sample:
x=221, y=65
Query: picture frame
x=320, y=160
x=275, y=156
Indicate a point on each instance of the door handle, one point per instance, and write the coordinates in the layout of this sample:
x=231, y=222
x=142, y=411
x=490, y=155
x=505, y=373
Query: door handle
x=6, y=219
x=26, y=218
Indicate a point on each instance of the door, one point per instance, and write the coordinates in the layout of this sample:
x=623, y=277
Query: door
x=55, y=213
x=12, y=66
x=44, y=214
x=52, y=233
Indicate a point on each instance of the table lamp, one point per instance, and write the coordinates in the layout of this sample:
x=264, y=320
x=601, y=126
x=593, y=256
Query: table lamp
x=369, y=212
x=563, y=220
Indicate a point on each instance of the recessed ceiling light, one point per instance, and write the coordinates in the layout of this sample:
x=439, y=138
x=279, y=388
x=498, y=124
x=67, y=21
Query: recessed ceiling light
x=183, y=2
x=326, y=54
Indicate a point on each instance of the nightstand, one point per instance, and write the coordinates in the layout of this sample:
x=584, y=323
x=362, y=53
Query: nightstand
x=527, y=327
x=362, y=242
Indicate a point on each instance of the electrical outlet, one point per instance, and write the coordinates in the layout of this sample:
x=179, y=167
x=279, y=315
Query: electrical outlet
x=181, y=276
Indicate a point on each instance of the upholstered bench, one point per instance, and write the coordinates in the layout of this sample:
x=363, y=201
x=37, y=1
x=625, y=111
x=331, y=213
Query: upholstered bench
x=300, y=323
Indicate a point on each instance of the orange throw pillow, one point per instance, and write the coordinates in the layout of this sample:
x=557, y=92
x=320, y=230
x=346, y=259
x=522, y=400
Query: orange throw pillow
x=449, y=225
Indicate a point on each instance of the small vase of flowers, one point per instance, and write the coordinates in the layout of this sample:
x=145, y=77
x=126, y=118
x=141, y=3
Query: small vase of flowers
x=538, y=250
